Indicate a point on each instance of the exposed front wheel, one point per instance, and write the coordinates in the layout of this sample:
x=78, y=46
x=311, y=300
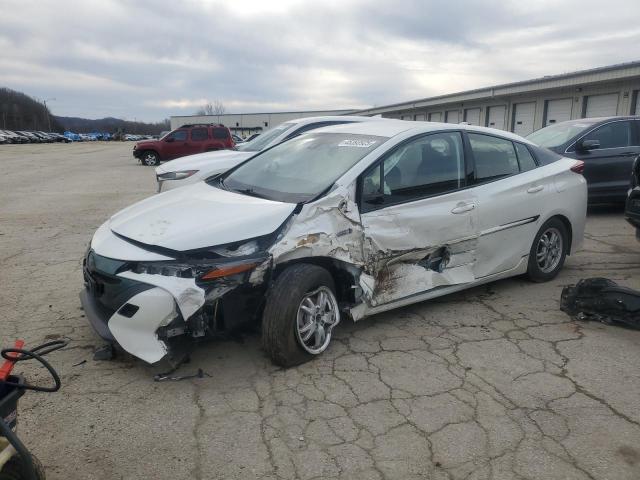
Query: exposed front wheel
x=300, y=314
x=150, y=159
x=548, y=251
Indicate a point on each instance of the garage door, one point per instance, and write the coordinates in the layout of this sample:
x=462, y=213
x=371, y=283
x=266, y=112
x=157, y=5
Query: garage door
x=472, y=116
x=636, y=110
x=419, y=117
x=558, y=111
x=495, y=117
x=452, y=116
x=602, y=105
x=523, y=116
x=435, y=117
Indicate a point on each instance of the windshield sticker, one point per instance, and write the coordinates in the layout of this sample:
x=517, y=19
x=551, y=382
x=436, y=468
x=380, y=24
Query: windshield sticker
x=356, y=143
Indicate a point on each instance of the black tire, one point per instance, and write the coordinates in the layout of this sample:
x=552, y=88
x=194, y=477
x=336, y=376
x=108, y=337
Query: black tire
x=13, y=469
x=279, y=319
x=149, y=158
x=535, y=271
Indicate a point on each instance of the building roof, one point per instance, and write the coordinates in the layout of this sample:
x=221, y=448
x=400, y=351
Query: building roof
x=621, y=71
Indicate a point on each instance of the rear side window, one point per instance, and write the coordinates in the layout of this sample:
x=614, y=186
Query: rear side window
x=525, y=158
x=220, y=133
x=494, y=157
x=199, y=134
x=544, y=155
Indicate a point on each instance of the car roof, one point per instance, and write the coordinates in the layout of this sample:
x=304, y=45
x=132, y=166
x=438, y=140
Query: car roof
x=391, y=128
x=332, y=118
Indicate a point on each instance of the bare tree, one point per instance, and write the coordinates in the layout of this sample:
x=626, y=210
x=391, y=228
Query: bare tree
x=212, y=108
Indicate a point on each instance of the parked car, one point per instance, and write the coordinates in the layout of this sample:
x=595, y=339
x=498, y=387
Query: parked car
x=13, y=137
x=73, y=137
x=347, y=220
x=237, y=139
x=607, y=146
x=186, y=140
x=4, y=140
x=33, y=138
x=251, y=137
x=632, y=206
x=195, y=168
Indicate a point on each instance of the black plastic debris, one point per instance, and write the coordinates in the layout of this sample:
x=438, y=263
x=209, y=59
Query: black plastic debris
x=602, y=300
x=106, y=352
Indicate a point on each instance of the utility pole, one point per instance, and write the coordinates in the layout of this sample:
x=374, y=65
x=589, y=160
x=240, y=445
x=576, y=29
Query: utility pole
x=47, y=112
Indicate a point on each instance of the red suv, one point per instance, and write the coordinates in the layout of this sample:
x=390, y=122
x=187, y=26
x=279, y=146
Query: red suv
x=186, y=140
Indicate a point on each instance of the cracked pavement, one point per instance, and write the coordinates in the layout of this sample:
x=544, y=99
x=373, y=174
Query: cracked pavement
x=491, y=383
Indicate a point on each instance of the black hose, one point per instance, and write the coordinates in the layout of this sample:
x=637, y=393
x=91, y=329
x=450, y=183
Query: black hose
x=36, y=353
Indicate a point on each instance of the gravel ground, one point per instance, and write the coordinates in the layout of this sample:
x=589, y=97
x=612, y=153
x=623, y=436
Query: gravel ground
x=494, y=382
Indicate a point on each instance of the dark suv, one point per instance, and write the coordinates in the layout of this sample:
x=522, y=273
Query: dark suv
x=632, y=209
x=186, y=140
x=607, y=146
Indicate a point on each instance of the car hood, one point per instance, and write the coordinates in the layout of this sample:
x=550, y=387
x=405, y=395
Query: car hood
x=199, y=216
x=220, y=160
x=148, y=143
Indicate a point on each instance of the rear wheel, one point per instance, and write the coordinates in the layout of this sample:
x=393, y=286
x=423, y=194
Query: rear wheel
x=548, y=251
x=300, y=314
x=150, y=158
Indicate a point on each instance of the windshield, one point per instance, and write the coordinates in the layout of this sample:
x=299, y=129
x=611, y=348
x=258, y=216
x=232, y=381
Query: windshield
x=263, y=141
x=558, y=134
x=300, y=169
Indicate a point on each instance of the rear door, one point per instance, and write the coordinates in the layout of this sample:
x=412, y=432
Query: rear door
x=419, y=219
x=607, y=168
x=198, y=140
x=511, y=195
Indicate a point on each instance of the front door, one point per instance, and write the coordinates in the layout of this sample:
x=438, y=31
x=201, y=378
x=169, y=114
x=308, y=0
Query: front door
x=175, y=144
x=607, y=168
x=419, y=220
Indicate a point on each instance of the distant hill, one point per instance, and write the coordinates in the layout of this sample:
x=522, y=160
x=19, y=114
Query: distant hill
x=111, y=125
x=19, y=111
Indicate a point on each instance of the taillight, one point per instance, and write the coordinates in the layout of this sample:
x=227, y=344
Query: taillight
x=578, y=167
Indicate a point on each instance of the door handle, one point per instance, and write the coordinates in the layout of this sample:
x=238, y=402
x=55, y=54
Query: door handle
x=465, y=207
x=536, y=189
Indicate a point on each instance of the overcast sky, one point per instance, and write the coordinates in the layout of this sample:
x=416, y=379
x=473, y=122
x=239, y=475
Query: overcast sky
x=148, y=59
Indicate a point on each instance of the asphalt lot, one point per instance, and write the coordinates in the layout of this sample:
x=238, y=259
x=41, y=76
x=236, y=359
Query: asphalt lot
x=494, y=382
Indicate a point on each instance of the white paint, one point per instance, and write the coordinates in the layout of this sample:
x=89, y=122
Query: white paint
x=523, y=118
x=137, y=335
x=199, y=216
x=558, y=110
x=602, y=105
x=111, y=246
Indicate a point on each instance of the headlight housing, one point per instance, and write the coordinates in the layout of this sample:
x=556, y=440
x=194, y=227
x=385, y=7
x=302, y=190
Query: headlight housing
x=179, y=175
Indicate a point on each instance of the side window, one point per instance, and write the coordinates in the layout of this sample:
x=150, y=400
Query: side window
x=427, y=166
x=178, y=135
x=494, y=157
x=612, y=135
x=525, y=158
x=220, y=133
x=199, y=134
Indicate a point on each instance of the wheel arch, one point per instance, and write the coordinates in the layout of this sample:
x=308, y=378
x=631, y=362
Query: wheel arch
x=345, y=275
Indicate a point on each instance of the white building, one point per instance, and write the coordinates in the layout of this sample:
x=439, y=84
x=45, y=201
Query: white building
x=244, y=124
x=523, y=107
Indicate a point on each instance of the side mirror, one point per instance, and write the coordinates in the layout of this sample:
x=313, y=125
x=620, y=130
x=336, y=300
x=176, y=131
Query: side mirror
x=169, y=139
x=586, y=145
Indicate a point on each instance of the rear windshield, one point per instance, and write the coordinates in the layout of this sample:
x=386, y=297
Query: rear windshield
x=299, y=169
x=220, y=133
x=265, y=139
x=558, y=134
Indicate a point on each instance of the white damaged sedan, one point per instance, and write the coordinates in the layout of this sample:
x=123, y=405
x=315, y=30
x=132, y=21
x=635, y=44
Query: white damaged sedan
x=344, y=221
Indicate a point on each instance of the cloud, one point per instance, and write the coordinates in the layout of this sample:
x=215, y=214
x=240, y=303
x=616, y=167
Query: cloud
x=151, y=59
